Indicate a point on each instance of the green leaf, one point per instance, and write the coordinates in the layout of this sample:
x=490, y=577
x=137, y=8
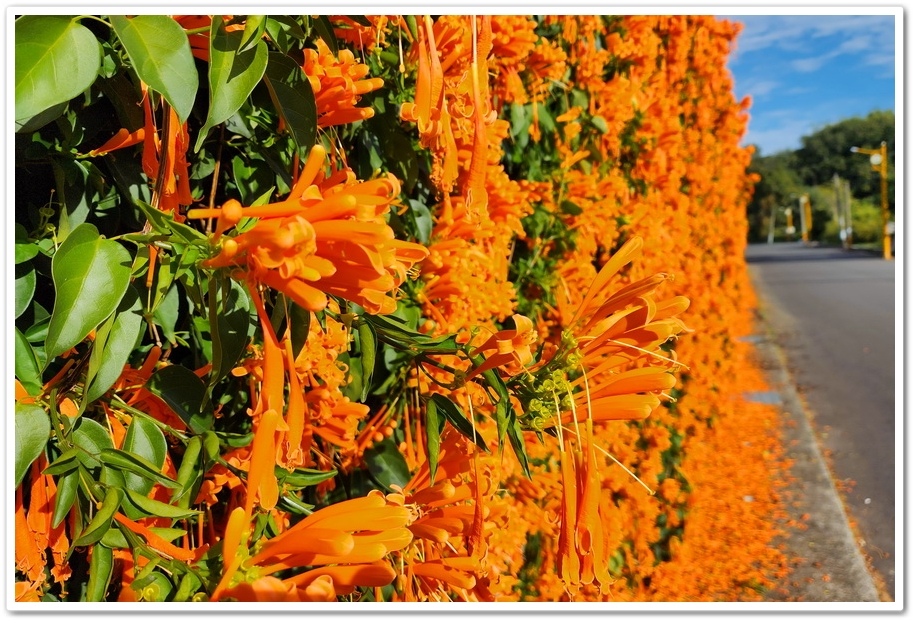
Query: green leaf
x=159, y=50
x=230, y=325
x=33, y=428
x=27, y=368
x=457, y=418
x=36, y=122
x=234, y=71
x=155, y=508
x=393, y=331
x=115, y=539
x=113, y=345
x=90, y=277
x=90, y=438
x=25, y=249
x=292, y=95
x=56, y=59
x=144, y=440
x=284, y=31
x=164, y=224
x=101, y=564
x=184, y=393
x=434, y=426
x=423, y=220
x=254, y=30
x=66, y=462
x=325, y=29
x=302, y=477
x=139, y=466
x=190, y=473
x=386, y=464
x=67, y=487
x=291, y=504
x=102, y=520
x=518, y=443
x=367, y=352
x=25, y=288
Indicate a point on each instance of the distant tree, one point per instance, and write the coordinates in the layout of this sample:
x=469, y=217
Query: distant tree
x=778, y=182
x=826, y=152
x=784, y=176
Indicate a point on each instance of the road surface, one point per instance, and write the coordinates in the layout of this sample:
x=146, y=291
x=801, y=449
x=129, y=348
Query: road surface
x=833, y=314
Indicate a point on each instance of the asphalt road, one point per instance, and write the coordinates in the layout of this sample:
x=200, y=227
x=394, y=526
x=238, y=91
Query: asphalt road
x=833, y=316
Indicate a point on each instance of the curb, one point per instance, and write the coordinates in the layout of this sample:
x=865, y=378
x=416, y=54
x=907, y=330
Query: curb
x=826, y=565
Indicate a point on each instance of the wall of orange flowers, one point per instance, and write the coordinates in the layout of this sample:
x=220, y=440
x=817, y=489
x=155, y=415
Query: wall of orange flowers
x=585, y=176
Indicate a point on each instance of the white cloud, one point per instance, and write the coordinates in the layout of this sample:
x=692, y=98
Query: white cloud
x=803, y=34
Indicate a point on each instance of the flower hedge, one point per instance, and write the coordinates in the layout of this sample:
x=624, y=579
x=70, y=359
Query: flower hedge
x=385, y=308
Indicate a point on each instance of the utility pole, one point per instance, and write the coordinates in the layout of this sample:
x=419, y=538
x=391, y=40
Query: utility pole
x=847, y=202
x=772, y=234
x=839, y=210
x=879, y=163
x=804, y=216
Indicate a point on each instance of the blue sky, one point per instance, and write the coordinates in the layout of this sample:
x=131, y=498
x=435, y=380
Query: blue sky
x=807, y=71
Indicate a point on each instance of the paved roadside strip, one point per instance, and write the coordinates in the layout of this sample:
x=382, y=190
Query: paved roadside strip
x=826, y=564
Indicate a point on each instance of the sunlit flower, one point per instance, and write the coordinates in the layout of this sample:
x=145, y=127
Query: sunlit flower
x=328, y=237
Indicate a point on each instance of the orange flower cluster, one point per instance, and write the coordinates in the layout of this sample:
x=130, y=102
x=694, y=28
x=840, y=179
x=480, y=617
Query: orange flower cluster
x=338, y=82
x=329, y=236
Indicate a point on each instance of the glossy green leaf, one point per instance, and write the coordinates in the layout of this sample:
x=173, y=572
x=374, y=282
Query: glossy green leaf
x=154, y=587
x=325, y=29
x=291, y=504
x=28, y=370
x=102, y=519
x=386, y=464
x=434, y=426
x=302, y=477
x=101, y=564
x=56, y=59
x=395, y=332
x=292, y=95
x=453, y=414
x=118, y=459
x=90, y=438
x=25, y=288
x=144, y=440
x=164, y=224
x=67, y=486
x=66, y=462
x=90, y=277
x=233, y=73
x=113, y=345
x=24, y=249
x=184, y=392
x=518, y=443
x=188, y=586
x=231, y=326
x=115, y=539
x=155, y=508
x=36, y=122
x=254, y=30
x=190, y=473
x=367, y=353
x=161, y=55
x=33, y=428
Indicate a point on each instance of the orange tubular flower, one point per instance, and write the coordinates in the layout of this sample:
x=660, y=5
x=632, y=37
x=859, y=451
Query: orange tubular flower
x=338, y=82
x=346, y=544
x=328, y=237
x=512, y=346
x=169, y=152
